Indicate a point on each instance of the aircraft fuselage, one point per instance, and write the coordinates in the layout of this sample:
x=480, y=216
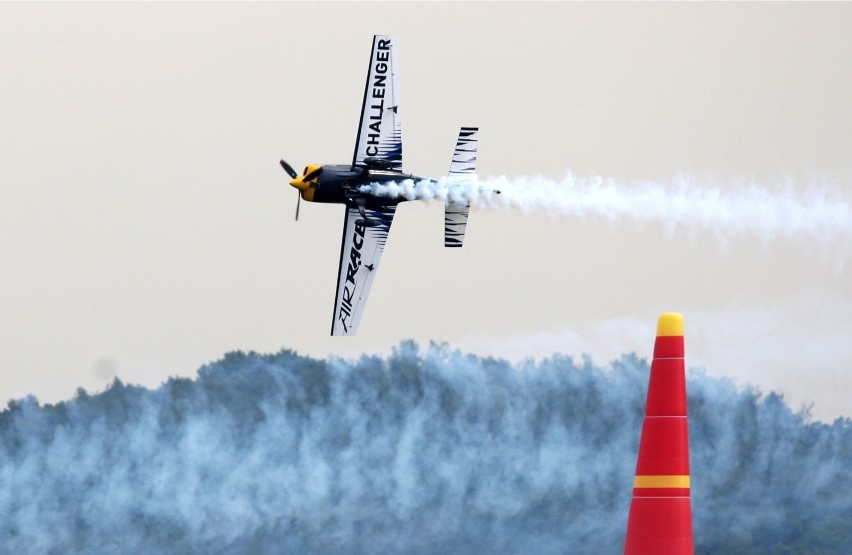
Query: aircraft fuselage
x=341, y=183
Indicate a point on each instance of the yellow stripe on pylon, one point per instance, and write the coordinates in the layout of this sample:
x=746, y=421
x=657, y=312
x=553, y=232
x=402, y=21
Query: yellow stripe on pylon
x=661, y=482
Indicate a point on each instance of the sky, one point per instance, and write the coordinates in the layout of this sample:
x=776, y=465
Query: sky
x=147, y=229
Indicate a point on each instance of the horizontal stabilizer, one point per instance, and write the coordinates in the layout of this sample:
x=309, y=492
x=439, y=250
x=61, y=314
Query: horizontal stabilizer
x=462, y=168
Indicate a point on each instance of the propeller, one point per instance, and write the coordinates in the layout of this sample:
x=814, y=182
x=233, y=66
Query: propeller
x=289, y=169
x=292, y=173
x=308, y=178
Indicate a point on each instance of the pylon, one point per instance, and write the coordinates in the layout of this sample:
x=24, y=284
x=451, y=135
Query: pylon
x=660, y=521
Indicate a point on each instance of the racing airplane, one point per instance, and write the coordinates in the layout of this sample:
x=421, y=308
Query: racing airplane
x=377, y=159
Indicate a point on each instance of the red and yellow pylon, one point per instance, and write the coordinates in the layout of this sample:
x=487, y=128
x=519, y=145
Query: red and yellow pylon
x=660, y=521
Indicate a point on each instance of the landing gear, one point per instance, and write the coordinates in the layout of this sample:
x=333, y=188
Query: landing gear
x=364, y=220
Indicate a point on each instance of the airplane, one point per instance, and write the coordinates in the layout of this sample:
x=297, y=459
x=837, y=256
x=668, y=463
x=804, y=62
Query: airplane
x=377, y=160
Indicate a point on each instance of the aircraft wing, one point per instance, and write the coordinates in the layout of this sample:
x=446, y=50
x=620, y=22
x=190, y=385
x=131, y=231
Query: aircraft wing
x=380, y=129
x=359, y=259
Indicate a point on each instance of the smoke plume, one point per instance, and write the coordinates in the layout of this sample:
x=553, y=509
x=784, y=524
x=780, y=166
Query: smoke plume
x=688, y=203
x=426, y=451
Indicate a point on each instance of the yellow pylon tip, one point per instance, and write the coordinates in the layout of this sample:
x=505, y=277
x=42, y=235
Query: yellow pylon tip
x=670, y=324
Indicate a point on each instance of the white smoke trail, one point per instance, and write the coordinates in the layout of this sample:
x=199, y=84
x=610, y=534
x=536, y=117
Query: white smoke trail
x=688, y=202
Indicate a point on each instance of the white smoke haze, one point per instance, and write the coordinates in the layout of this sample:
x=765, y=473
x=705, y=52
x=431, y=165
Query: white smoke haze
x=424, y=451
x=748, y=343
x=694, y=204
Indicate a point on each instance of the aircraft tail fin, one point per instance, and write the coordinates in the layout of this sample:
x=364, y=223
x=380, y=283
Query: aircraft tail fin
x=462, y=167
x=660, y=519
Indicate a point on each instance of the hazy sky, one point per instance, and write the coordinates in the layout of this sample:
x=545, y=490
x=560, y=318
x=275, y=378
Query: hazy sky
x=146, y=227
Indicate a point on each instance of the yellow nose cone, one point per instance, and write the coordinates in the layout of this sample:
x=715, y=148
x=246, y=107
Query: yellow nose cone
x=311, y=172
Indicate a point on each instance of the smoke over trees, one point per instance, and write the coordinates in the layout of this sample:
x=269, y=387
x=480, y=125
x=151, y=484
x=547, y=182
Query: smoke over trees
x=426, y=451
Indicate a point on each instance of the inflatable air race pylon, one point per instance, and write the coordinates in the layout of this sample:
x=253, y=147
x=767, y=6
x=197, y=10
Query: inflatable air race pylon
x=660, y=521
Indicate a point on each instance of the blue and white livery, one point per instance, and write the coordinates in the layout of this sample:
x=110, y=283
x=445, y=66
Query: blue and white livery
x=377, y=160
